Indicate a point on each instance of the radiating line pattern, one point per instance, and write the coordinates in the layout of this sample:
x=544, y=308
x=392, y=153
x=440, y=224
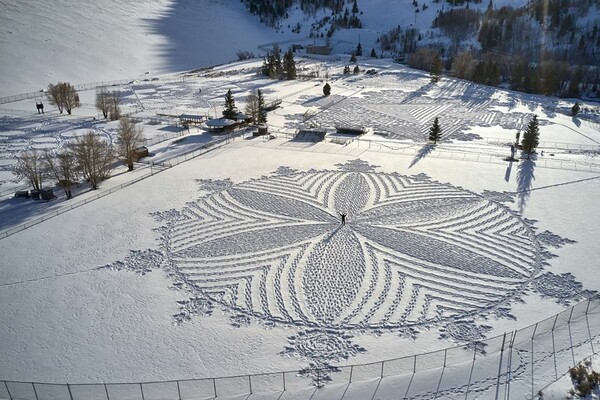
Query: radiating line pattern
x=412, y=252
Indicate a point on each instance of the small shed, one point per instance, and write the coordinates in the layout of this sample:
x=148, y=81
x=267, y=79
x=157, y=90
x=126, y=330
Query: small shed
x=261, y=130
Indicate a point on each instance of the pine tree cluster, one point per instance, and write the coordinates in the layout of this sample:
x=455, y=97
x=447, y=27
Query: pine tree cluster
x=277, y=68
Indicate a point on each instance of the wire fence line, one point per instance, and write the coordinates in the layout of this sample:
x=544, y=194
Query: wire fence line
x=411, y=150
x=41, y=94
x=520, y=362
x=154, y=169
x=476, y=156
x=549, y=145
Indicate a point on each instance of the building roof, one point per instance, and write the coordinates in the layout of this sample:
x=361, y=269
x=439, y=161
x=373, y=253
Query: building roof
x=192, y=117
x=219, y=122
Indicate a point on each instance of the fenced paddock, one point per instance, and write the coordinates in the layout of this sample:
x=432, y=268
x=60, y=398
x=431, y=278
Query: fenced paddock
x=152, y=169
x=519, y=363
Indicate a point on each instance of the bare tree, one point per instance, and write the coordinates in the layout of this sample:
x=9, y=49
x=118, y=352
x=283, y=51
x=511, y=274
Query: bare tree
x=62, y=166
x=53, y=94
x=64, y=96
x=70, y=97
x=129, y=137
x=31, y=167
x=114, y=101
x=252, y=106
x=462, y=66
x=103, y=102
x=94, y=157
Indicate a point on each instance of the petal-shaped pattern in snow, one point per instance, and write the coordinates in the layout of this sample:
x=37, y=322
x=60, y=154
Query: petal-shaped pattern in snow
x=333, y=275
x=352, y=194
x=436, y=251
x=411, y=212
x=255, y=241
x=280, y=205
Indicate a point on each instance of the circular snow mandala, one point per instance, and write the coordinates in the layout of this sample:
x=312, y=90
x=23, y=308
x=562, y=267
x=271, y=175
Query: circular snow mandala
x=412, y=251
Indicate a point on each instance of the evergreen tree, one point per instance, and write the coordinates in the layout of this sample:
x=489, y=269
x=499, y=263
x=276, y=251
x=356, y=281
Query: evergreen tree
x=262, y=114
x=327, y=89
x=355, y=8
x=272, y=64
x=289, y=65
x=230, y=111
x=436, y=69
x=573, y=88
x=277, y=63
x=518, y=74
x=531, y=136
x=435, y=132
x=266, y=67
x=373, y=53
x=359, y=50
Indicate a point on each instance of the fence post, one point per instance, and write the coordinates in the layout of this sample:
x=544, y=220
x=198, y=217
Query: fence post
x=555, y=319
x=70, y=393
x=500, y=366
x=415, y=364
x=445, y=355
x=7, y=391
x=570, y=315
x=106, y=390
x=250, y=382
x=178, y=391
x=588, y=306
x=382, y=364
x=215, y=386
x=510, y=346
x=34, y=391
x=351, y=371
x=283, y=378
x=142, y=391
x=532, y=362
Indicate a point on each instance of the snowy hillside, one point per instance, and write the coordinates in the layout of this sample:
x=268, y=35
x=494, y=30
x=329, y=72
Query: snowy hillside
x=226, y=256
x=126, y=39
x=110, y=40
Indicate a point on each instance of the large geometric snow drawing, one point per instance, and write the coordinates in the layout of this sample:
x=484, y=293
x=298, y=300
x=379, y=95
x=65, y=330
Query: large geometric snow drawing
x=413, y=253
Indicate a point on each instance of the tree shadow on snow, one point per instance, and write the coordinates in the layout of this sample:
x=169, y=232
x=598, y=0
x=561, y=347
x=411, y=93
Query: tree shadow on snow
x=508, y=171
x=424, y=152
x=525, y=178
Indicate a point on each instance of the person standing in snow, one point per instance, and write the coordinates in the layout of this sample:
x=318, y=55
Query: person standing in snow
x=343, y=218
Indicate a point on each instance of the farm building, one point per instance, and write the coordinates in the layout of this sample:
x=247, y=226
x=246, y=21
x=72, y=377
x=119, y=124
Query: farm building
x=350, y=130
x=218, y=125
x=320, y=50
x=310, y=135
x=187, y=119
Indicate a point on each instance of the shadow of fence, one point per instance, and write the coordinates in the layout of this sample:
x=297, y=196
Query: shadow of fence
x=517, y=363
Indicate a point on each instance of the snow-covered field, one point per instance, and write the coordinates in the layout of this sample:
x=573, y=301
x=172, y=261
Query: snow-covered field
x=234, y=262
